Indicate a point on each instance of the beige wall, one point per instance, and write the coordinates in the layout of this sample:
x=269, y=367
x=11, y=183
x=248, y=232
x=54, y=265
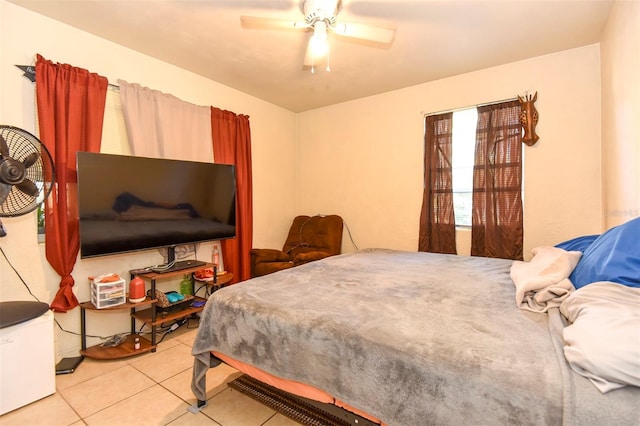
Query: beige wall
x=364, y=159
x=22, y=35
x=621, y=113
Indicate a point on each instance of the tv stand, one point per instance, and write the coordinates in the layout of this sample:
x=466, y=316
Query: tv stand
x=138, y=312
x=150, y=316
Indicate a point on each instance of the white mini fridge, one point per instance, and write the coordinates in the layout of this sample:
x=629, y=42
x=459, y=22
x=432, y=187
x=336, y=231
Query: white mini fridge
x=27, y=361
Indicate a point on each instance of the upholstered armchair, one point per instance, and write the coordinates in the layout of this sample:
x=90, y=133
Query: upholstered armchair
x=310, y=238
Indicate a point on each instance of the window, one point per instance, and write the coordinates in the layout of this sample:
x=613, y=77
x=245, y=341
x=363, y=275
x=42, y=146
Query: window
x=464, y=141
x=473, y=178
x=463, y=153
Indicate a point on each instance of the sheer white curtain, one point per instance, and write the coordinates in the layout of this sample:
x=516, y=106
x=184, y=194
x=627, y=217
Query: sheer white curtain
x=162, y=126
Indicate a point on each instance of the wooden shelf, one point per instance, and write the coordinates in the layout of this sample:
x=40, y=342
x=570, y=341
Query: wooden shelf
x=221, y=280
x=124, y=350
x=126, y=305
x=146, y=314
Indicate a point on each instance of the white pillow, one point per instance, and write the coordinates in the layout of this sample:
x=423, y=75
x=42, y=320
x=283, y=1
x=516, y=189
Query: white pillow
x=603, y=341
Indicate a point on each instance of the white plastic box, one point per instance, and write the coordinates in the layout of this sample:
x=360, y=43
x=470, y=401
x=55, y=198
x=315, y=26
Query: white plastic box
x=108, y=294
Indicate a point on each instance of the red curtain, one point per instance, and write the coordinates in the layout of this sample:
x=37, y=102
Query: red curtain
x=437, y=220
x=232, y=145
x=70, y=111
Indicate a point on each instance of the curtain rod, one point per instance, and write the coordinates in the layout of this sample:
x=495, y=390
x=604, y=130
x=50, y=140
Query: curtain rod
x=30, y=73
x=467, y=107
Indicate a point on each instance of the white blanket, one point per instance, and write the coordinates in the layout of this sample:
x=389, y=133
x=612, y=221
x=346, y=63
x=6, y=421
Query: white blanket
x=543, y=282
x=603, y=341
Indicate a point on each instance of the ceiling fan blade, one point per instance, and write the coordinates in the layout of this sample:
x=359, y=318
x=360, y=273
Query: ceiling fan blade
x=382, y=35
x=30, y=159
x=4, y=149
x=4, y=191
x=28, y=187
x=257, y=22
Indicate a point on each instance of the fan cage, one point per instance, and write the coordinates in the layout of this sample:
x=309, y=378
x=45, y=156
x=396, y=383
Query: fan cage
x=21, y=144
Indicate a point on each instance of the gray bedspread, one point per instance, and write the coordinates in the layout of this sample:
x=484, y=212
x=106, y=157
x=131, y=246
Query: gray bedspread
x=411, y=338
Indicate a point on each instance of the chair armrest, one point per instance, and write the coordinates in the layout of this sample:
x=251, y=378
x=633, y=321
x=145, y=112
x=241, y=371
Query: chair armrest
x=302, y=258
x=268, y=255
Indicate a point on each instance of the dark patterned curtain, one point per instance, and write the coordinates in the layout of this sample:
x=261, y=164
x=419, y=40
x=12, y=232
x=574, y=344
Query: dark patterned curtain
x=437, y=221
x=496, y=221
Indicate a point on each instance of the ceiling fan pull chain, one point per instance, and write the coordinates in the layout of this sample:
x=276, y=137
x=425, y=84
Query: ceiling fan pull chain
x=328, y=61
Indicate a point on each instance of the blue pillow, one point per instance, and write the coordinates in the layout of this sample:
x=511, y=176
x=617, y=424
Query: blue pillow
x=578, y=244
x=613, y=256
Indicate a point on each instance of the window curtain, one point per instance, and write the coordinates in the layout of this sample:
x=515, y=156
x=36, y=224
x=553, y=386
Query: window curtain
x=496, y=221
x=162, y=126
x=232, y=145
x=70, y=104
x=437, y=221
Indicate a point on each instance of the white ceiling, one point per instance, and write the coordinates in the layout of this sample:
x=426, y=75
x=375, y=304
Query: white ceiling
x=434, y=39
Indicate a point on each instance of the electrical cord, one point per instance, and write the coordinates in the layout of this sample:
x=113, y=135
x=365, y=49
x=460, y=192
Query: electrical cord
x=353, y=243
x=302, y=244
x=164, y=328
x=181, y=251
x=18, y=275
x=161, y=268
x=22, y=280
x=176, y=325
x=195, y=293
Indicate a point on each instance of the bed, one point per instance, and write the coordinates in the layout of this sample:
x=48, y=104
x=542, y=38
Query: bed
x=413, y=338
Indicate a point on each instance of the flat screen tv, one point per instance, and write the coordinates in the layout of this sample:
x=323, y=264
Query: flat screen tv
x=128, y=203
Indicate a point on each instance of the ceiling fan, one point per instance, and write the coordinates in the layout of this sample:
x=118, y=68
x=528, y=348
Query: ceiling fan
x=321, y=17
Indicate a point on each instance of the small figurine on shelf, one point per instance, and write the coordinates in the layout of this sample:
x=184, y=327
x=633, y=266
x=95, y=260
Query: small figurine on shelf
x=185, y=285
x=136, y=343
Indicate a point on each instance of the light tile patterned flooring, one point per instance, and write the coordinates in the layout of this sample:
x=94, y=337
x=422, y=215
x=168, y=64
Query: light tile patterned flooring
x=150, y=389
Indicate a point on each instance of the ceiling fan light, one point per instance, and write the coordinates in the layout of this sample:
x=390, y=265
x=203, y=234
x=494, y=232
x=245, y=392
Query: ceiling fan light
x=318, y=44
x=319, y=47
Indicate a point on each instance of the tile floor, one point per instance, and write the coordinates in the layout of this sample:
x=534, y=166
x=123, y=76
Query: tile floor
x=150, y=389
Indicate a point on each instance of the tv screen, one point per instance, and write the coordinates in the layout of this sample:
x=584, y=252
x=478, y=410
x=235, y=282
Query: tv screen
x=128, y=203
